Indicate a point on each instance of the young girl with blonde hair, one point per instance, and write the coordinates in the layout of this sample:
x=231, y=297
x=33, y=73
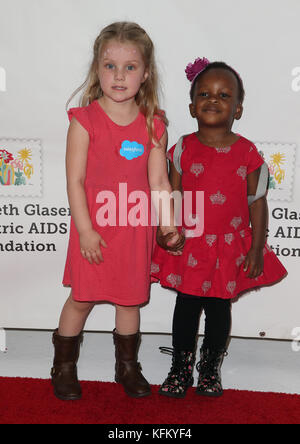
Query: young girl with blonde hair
x=116, y=137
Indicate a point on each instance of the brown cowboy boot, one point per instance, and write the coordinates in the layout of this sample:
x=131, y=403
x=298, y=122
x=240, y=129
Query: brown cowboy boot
x=64, y=371
x=128, y=370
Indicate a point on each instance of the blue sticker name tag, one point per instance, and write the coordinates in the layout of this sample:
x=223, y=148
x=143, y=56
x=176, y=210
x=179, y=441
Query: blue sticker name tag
x=131, y=150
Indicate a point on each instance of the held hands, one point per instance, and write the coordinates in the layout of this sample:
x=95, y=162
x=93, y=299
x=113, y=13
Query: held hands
x=172, y=241
x=90, y=242
x=254, y=263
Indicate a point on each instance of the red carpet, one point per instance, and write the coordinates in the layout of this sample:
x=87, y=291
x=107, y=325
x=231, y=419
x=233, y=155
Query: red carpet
x=30, y=401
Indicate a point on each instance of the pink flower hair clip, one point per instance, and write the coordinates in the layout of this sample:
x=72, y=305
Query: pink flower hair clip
x=194, y=69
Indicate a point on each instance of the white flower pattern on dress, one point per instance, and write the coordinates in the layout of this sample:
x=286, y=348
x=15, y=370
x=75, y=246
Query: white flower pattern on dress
x=224, y=150
x=210, y=239
x=206, y=286
x=229, y=237
x=218, y=198
x=189, y=234
x=174, y=280
x=197, y=169
x=236, y=222
x=242, y=172
x=231, y=286
x=240, y=260
x=154, y=268
x=192, y=262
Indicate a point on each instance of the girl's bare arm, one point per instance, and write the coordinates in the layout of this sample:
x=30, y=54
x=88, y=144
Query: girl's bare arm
x=159, y=182
x=76, y=162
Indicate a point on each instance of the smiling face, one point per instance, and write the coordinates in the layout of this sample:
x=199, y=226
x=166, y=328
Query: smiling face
x=215, y=100
x=121, y=71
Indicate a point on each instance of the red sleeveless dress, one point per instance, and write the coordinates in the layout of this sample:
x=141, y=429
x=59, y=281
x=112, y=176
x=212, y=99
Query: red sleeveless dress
x=117, y=155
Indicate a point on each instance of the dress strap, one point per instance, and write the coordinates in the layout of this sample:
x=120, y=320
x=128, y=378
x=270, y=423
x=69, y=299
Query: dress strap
x=262, y=186
x=178, y=153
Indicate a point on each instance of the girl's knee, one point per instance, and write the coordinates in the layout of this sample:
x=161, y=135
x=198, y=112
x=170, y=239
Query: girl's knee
x=127, y=309
x=81, y=306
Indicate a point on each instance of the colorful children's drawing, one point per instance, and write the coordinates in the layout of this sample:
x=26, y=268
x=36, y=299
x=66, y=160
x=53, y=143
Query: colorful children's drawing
x=281, y=161
x=20, y=167
x=15, y=171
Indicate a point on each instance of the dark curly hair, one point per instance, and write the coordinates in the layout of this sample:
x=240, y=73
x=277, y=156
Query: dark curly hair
x=222, y=65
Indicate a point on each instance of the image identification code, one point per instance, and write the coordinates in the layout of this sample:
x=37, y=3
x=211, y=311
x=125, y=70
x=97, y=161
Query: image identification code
x=159, y=433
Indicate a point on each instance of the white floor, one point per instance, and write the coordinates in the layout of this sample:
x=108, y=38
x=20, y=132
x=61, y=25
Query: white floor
x=252, y=364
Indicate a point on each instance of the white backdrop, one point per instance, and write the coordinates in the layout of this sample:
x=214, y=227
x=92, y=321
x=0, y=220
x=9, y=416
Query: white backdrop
x=45, y=50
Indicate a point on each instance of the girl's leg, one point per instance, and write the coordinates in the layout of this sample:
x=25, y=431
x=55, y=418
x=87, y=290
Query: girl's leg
x=66, y=341
x=217, y=329
x=217, y=323
x=186, y=321
x=73, y=317
x=185, y=328
x=127, y=341
x=127, y=320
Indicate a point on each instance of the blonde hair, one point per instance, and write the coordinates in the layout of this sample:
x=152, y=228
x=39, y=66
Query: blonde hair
x=147, y=97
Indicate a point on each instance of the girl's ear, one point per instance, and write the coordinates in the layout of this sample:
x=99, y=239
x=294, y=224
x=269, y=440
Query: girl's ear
x=192, y=110
x=239, y=112
x=145, y=77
